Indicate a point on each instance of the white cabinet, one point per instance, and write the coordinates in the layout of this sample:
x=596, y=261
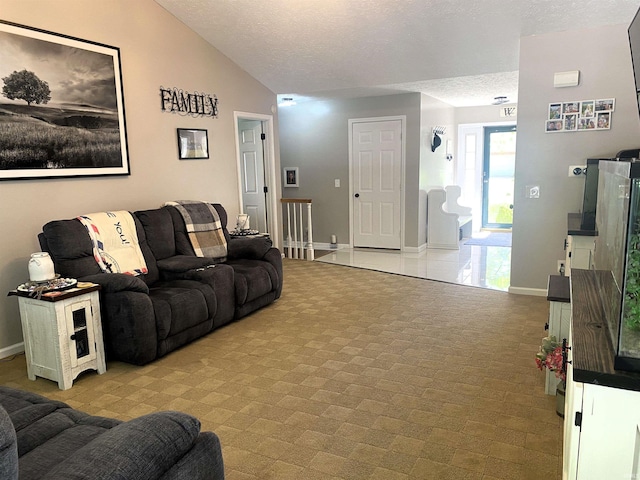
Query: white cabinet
x=601, y=432
x=571, y=441
x=63, y=335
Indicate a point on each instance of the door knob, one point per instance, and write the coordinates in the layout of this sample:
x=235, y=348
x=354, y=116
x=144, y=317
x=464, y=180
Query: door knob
x=357, y=195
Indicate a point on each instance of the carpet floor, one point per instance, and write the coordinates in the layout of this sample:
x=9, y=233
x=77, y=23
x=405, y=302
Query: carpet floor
x=353, y=374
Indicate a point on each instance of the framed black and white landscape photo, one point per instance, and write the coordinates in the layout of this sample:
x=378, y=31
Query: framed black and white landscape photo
x=61, y=106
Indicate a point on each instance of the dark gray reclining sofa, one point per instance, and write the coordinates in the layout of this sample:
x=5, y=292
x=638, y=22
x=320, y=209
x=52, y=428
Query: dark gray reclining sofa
x=182, y=297
x=46, y=439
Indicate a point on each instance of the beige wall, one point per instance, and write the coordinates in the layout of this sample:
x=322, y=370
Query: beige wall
x=540, y=225
x=156, y=50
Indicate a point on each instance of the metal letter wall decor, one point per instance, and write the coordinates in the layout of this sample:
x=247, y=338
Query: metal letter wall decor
x=176, y=100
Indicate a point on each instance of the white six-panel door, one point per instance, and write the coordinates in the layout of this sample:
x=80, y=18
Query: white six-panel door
x=252, y=173
x=376, y=178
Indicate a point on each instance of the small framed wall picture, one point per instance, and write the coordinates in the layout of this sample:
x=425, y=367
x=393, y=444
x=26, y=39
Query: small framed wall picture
x=291, y=177
x=193, y=144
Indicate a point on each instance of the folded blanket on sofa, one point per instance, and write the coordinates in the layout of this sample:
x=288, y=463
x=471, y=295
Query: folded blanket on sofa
x=203, y=228
x=115, y=242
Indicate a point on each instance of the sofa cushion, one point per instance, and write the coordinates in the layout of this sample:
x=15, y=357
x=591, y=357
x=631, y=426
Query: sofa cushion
x=8, y=448
x=56, y=449
x=253, y=278
x=178, y=308
x=13, y=401
x=158, y=228
x=70, y=247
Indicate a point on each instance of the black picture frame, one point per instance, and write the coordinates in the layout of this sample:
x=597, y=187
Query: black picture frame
x=74, y=125
x=193, y=144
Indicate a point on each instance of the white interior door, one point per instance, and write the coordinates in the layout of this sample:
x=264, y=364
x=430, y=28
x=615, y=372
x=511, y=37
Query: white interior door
x=252, y=173
x=376, y=178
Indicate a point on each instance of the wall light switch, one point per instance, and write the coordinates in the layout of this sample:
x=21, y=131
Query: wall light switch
x=533, y=191
x=337, y=182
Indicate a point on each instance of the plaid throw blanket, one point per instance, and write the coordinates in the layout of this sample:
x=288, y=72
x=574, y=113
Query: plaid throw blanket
x=115, y=242
x=203, y=228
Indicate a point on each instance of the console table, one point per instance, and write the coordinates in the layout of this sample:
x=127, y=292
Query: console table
x=602, y=418
x=62, y=333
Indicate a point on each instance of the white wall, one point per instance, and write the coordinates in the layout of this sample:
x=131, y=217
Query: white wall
x=540, y=225
x=435, y=170
x=156, y=50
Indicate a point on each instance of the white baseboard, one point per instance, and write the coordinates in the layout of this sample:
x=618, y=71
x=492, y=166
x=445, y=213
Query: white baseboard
x=535, y=292
x=12, y=350
x=317, y=245
x=419, y=249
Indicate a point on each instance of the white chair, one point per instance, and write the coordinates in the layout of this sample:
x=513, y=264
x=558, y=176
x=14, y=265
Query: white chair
x=444, y=228
x=453, y=195
x=452, y=206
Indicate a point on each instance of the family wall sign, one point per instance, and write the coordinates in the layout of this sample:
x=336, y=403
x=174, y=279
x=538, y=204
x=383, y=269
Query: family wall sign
x=176, y=100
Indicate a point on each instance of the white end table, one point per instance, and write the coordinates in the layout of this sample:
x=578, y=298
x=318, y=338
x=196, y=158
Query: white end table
x=62, y=333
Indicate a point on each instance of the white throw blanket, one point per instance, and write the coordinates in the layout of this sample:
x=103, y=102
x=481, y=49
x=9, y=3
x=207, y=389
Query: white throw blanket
x=115, y=242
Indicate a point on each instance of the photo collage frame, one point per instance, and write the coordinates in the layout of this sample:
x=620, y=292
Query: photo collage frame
x=580, y=116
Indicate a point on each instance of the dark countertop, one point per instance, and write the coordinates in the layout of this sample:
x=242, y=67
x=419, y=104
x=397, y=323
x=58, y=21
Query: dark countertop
x=591, y=351
x=574, y=221
x=558, y=289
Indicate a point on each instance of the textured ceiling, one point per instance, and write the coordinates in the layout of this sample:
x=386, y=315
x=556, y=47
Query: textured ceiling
x=464, y=52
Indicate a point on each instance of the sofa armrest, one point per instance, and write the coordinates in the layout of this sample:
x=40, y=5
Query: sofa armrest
x=202, y=462
x=274, y=257
x=252, y=248
x=117, y=282
x=8, y=447
x=129, y=325
x=144, y=448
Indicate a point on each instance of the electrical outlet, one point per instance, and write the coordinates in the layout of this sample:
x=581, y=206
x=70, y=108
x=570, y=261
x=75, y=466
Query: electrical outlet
x=577, y=170
x=561, y=267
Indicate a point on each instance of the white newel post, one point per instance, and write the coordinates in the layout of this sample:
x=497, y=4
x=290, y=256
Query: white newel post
x=310, y=228
x=289, y=231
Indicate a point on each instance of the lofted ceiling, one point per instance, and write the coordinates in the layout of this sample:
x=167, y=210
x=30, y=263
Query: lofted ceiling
x=463, y=52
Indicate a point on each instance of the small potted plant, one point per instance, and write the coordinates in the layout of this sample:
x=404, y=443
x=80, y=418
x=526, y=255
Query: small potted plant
x=550, y=357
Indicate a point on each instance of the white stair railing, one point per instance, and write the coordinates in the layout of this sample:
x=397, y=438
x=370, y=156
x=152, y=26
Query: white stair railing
x=295, y=216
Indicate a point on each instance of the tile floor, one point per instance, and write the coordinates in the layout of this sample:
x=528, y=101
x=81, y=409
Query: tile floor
x=480, y=266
